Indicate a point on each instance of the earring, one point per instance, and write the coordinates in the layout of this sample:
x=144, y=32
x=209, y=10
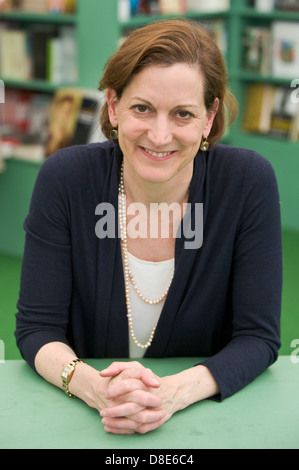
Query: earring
x=204, y=144
x=114, y=134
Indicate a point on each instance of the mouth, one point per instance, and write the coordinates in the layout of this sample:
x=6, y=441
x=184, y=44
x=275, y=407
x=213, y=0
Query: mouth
x=157, y=155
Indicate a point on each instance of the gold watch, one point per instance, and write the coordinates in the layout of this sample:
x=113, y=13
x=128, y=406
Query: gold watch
x=67, y=374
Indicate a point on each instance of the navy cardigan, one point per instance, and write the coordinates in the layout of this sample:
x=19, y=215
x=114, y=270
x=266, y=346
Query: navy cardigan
x=225, y=299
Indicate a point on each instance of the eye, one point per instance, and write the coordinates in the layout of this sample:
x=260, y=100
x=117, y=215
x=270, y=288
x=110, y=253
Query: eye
x=184, y=114
x=140, y=108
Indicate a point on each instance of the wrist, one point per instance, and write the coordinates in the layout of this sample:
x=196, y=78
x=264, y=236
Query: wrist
x=88, y=385
x=191, y=386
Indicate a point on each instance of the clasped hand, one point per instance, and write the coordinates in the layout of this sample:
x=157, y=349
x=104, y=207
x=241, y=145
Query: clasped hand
x=135, y=400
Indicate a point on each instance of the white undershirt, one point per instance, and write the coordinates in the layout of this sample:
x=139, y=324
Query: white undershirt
x=152, y=280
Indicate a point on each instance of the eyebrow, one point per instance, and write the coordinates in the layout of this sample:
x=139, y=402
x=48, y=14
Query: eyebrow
x=138, y=98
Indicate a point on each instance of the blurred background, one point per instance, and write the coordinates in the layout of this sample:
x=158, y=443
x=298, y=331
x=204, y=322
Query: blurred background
x=52, y=53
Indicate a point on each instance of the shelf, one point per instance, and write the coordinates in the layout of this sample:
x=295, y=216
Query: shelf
x=36, y=85
x=56, y=18
x=255, y=77
x=265, y=142
x=279, y=15
x=142, y=20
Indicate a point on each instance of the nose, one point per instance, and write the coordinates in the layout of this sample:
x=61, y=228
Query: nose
x=160, y=132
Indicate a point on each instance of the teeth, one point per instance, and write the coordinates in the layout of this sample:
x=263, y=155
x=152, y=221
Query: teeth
x=156, y=154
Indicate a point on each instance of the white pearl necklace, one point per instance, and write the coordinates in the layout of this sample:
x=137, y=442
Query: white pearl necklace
x=122, y=210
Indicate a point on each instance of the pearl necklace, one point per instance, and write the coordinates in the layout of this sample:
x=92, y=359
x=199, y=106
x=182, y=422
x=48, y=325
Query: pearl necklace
x=127, y=273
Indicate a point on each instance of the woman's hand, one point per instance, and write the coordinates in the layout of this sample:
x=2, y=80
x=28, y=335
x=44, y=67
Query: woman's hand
x=141, y=402
x=132, y=404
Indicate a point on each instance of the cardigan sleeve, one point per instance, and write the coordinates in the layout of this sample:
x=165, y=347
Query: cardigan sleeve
x=46, y=285
x=256, y=280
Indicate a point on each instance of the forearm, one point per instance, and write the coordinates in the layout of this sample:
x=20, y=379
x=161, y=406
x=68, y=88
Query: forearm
x=86, y=382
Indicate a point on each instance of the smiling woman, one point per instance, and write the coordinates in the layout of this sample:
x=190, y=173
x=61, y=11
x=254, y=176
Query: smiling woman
x=84, y=295
x=161, y=119
x=168, y=43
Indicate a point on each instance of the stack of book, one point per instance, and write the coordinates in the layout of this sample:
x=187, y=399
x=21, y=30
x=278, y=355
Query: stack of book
x=290, y=5
x=41, y=6
x=169, y=7
x=34, y=125
x=272, y=110
x=45, y=52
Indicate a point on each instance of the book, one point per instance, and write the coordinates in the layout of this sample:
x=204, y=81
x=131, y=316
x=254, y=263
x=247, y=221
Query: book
x=24, y=124
x=41, y=6
x=285, y=58
x=61, y=57
x=208, y=6
x=74, y=119
x=172, y=7
x=291, y=5
x=284, y=118
x=270, y=110
x=259, y=104
x=88, y=128
x=45, y=52
x=256, y=49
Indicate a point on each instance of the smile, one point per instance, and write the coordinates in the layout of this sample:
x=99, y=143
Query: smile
x=158, y=154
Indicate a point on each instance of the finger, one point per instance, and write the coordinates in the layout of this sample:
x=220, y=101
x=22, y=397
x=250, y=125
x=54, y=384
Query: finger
x=136, y=420
x=133, y=369
x=131, y=403
x=123, y=387
x=117, y=367
x=128, y=426
x=118, y=411
x=127, y=386
x=118, y=431
x=121, y=424
x=145, y=428
x=146, y=416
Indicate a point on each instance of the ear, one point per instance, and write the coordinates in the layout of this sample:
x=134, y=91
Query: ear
x=112, y=104
x=210, y=119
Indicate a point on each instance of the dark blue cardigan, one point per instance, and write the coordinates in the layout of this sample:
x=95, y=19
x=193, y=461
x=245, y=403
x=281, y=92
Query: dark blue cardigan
x=224, y=301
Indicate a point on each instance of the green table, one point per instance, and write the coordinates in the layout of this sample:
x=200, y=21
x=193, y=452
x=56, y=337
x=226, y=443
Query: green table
x=265, y=414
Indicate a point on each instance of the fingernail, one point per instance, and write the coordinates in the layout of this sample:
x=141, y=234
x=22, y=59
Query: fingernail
x=103, y=413
x=155, y=382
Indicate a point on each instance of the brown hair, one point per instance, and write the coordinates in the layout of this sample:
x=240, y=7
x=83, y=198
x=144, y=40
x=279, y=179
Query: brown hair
x=165, y=43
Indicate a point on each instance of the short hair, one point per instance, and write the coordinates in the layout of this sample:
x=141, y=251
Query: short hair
x=168, y=42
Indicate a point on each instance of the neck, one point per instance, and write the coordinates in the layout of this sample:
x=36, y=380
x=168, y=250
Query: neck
x=147, y=192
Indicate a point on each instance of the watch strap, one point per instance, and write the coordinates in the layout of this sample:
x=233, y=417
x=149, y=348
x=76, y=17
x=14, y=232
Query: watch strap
x=67, y=374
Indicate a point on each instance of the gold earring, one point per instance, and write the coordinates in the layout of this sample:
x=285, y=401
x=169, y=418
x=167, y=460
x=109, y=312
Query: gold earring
x=204, y=144
x=114, y=134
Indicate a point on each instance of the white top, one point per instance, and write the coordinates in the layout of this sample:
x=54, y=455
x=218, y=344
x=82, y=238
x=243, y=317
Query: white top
x=152, y=280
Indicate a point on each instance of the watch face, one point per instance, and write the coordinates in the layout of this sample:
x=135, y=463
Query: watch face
x=66, y=372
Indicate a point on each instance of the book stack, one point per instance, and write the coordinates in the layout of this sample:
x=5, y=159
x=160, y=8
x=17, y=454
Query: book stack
x=34, y=125
x=290, y=5
x=271, y=110
x=45, y=52
x=41, y=6
x=168, y=7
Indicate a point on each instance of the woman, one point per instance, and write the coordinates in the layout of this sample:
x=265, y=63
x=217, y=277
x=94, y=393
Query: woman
x=87, y=293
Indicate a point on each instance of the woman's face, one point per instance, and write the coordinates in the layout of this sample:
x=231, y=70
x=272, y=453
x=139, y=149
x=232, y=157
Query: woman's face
x=161, y=119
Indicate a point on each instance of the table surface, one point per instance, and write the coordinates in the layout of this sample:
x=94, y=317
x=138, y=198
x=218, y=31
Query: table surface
x=265, y=414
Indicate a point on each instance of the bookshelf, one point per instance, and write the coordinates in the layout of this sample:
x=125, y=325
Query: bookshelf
x=98, y=34
x=97, y=37
x=283, y=154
